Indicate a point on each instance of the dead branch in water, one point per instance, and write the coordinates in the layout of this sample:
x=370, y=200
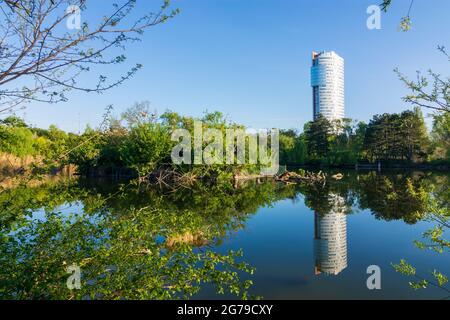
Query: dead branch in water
x=308, y=177
x=171, y=179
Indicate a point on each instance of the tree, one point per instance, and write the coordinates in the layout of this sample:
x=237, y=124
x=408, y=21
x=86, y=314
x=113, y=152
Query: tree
x=145, y=147
x=13, y=121
x=86, y=150
x=112, y=141
x=440, y=136
x=357, y=142
x=139, y=113
x=292, y=147
x=17, y=141
x=317, y=135
x=346, y=142
x=414, y=132
x=40, y=59
x=397, y=137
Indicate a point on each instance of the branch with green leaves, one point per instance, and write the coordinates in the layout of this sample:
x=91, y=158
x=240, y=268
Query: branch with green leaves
x=41, y=59
x=433, y=240
x=437, y=97
x=437, y=279
x=405, y=22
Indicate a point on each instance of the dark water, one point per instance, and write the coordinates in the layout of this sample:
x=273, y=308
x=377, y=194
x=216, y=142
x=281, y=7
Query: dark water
x=297, y=242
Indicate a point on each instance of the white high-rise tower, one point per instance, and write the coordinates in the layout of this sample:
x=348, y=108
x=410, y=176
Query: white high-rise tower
x=327, y=81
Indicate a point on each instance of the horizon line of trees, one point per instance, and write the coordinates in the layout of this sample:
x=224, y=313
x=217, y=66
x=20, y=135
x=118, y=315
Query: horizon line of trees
x=141, y=141
x=397, y=137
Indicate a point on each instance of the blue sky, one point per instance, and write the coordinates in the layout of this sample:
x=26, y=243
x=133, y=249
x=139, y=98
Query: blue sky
x=250, y=59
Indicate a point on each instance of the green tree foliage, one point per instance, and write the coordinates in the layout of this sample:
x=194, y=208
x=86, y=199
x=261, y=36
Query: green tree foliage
x=393, y=197
x=437, y=98
x=144, y=142
x=13, y=121
x=388, y=137
x=130, y=243
x=317, y=135
x=86, y=150
x=292, y=147
x=113, y=140
x=18, y=141
x=147, y=146
x=346, y=142
x=58, y=142
x=435, y=239
x=397, y=137
x=431, y=92
x=333, y=143
x=146, y=243
x=440, y=137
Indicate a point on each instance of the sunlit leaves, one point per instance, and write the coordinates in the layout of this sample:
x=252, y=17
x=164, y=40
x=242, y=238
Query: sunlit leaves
x=405, y=24
x=416, y=285
x=405, y=268
x=434, y=241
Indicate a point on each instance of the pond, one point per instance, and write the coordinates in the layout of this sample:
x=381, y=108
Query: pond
x=258, y=240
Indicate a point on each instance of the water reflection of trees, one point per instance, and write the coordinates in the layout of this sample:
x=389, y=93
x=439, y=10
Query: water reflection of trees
x=389, y=196
x=134, y=243
x=393, y=197
x=143, y=243
x=317, y=196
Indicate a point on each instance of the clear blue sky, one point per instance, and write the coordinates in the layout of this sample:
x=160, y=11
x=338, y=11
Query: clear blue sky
x=250, y=59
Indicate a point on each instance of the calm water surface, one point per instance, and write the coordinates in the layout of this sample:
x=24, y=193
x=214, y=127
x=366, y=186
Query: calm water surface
x=304, y=242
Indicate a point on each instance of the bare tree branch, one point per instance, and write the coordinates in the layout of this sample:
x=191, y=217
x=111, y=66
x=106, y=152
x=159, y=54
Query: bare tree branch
x=41, y=59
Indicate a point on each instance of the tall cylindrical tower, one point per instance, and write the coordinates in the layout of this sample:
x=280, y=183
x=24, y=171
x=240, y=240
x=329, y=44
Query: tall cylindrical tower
x=327, y=81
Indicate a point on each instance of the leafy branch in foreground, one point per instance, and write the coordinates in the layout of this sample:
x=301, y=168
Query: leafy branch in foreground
x=438, y=98
x=405, y=22
x=433, y=240
x=434, y=237
x=41, y=59
x=437, y=278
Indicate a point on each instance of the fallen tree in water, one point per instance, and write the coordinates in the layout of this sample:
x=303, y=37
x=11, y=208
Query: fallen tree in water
x=303, y=177
x=174, y=179
x=171, y=178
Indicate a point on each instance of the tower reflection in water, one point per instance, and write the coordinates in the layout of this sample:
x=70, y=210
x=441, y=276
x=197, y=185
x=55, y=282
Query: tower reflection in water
x=330, y=238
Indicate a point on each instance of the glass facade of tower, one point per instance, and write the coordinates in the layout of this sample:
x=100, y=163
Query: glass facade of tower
x=327, y=81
